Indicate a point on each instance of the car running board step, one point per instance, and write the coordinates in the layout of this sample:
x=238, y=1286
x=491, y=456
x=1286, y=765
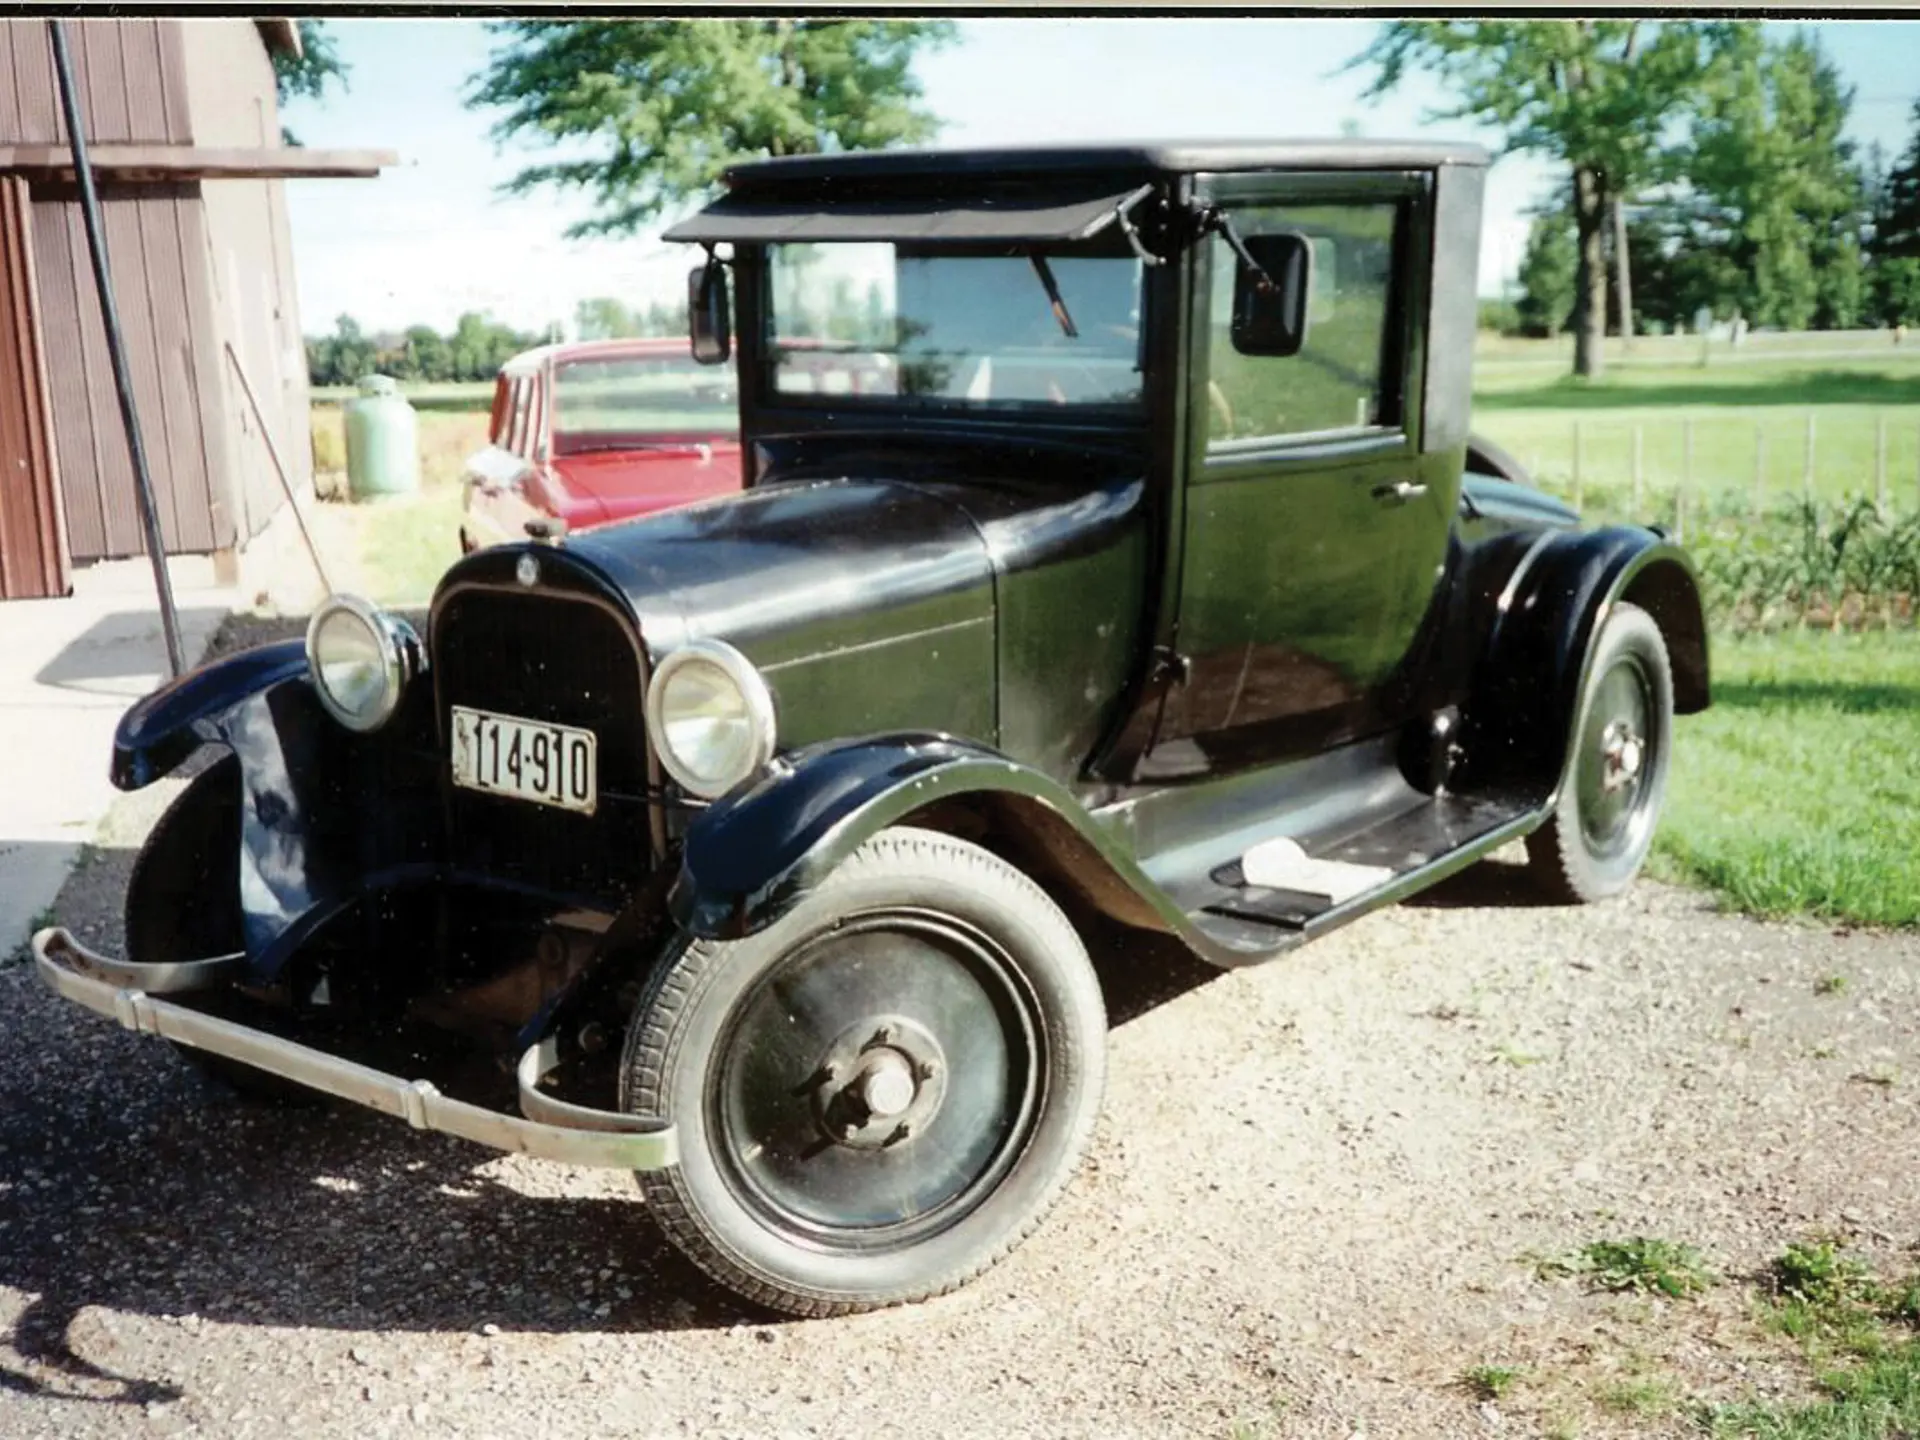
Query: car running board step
x=1347, y=874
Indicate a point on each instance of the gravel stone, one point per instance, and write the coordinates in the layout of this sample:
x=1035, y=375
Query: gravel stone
x=1317, y=1197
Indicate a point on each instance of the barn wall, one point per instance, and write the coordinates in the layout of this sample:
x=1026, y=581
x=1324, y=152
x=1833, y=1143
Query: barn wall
x=256, y=329
x=156, y=247
x=129, y=74
x=33, y=546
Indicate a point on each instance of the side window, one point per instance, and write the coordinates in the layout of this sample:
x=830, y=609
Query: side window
x=1340, y=379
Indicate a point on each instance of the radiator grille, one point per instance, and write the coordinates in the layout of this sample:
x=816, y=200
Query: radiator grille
x=571, y=662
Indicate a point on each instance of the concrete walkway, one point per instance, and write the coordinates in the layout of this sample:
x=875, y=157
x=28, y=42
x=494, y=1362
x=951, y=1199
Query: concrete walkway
x=68, y=669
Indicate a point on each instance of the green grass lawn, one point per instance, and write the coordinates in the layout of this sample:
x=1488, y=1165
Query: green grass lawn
x=1799, y=790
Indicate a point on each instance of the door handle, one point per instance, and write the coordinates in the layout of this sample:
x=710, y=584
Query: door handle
x=1399, y=492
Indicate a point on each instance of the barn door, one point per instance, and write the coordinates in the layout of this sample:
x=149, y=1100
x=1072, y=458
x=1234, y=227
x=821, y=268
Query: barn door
x=33, y=540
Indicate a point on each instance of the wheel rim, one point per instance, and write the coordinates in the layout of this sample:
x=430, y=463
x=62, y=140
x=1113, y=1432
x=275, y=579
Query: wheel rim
x=1619, y=760
x=875, y=1085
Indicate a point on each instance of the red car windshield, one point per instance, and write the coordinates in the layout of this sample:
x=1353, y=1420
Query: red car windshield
x=641, y=400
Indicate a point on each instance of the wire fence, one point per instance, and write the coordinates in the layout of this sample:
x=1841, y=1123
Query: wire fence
x=1683, y=471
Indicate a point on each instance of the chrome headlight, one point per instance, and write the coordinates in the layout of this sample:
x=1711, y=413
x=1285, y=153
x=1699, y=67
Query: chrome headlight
x=710, y=716
x=360, y=658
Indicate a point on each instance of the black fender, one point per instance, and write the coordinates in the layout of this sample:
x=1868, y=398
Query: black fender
x=750, y=857
x=1530, y=683
x=162, y=729
x=324, y=815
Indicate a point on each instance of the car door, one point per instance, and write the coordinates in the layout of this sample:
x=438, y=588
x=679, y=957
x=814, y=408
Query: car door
x=1314, y=533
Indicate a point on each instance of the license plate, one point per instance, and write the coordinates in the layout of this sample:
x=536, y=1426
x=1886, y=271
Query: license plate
x=527, y=759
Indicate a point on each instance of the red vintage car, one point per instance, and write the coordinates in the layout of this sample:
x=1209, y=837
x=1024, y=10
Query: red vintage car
x=598, y=431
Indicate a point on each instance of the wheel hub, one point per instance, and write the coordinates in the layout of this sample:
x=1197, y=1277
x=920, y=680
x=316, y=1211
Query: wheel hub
x=1622, y=753
x=879, y=1083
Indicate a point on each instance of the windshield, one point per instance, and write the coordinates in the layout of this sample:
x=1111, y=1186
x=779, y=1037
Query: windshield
x=639, y=400
x=971, y=330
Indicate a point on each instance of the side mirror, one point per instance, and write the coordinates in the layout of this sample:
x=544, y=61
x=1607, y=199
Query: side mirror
x=1271, y=319
x=709, y=313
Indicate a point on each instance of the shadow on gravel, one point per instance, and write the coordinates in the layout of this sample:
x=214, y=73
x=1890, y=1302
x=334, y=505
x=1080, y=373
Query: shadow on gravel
x=129, y=1183
x=1491, y=884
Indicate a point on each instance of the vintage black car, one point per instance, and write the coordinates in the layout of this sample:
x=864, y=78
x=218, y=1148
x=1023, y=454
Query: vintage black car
x=1113, y=552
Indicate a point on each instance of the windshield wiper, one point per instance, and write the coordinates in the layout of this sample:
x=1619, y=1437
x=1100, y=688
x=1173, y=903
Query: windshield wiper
x=1045, y=272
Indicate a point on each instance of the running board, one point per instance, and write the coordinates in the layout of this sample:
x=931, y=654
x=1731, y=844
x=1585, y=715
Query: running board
x=1399, y=854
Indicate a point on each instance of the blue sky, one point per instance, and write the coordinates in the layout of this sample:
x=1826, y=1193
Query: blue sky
x=432, y=237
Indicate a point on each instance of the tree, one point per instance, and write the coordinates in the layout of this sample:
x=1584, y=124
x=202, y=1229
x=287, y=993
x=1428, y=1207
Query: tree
x=1895, y=246
x=1547, y=272
x=1601, y=95
x=308, y=73
x=604, y=318
x=1772, y=183
x=668, y=104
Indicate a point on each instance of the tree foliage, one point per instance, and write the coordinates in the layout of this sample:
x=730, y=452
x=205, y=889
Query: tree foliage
x=1603, y=96
x=604, y=318
x=308, y=74
x=663, y=106
x=475, y=350
x=1547, y=270
x=1772, y=186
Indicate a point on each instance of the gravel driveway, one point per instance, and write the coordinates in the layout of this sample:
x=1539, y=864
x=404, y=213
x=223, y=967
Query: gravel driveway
x=1311, y=1205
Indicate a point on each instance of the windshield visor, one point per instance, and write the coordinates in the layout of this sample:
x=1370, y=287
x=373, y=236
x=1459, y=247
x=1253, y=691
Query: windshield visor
x=980, y=328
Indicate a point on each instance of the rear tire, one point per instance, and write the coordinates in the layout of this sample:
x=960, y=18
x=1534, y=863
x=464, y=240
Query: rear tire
x=183, y=903
x=1615, y=781
x=882, y=1094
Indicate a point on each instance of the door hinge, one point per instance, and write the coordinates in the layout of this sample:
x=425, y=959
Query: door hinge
x=1171, y=669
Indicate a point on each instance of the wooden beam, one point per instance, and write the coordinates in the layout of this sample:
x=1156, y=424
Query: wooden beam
x=280, y=34
x=126, y=163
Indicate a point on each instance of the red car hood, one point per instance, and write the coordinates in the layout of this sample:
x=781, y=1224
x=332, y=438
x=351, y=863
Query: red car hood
x=602, y=486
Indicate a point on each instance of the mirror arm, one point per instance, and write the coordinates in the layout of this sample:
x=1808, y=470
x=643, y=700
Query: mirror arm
x=1213, y=219
x=1123, y=212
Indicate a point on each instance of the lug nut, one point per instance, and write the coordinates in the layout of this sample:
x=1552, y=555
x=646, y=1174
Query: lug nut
x=929, y=1069
x=883, y=1036
x=902, y=1131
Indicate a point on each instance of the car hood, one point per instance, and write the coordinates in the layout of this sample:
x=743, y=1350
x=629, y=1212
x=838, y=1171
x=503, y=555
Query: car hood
x=793, y=570
x=604, y=485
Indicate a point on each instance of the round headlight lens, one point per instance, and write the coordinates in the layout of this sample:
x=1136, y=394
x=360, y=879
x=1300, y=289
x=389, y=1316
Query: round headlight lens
x=711, y=717
x=357, y=658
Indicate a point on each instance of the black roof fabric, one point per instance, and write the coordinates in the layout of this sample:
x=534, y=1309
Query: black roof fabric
x=1156, y=156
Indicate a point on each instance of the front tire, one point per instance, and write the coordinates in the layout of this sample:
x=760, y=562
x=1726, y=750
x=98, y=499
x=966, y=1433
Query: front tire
x=1597, y=838
x=883, y=1093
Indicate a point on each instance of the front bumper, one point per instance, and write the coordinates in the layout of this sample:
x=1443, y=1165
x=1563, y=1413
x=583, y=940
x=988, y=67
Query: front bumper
x=552, y=1130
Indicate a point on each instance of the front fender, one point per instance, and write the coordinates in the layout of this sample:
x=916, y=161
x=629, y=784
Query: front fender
x=752, y=855
x=164, y=728
x=1532, y=678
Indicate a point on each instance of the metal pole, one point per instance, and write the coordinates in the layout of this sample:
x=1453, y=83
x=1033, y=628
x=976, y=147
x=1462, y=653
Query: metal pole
x=116, y=348
x=1639, y=474
x=1806, y=481
x=1759, y=469
x=1577, y=493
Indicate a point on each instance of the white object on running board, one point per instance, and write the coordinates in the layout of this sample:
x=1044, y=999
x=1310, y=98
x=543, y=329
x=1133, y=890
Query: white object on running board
x=1280, y=864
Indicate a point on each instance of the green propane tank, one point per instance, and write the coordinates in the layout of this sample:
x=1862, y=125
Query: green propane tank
x=383, y=453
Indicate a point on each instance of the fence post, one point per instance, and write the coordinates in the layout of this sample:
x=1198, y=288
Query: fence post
x=1686, y=478
x=1577, y=487
x=1639, y=435
x=1880, y=466
x=1806, y=482
x=1759, y=469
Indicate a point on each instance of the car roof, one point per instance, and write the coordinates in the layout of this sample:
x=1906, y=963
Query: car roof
x=528, y=361
x=1127, y=157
